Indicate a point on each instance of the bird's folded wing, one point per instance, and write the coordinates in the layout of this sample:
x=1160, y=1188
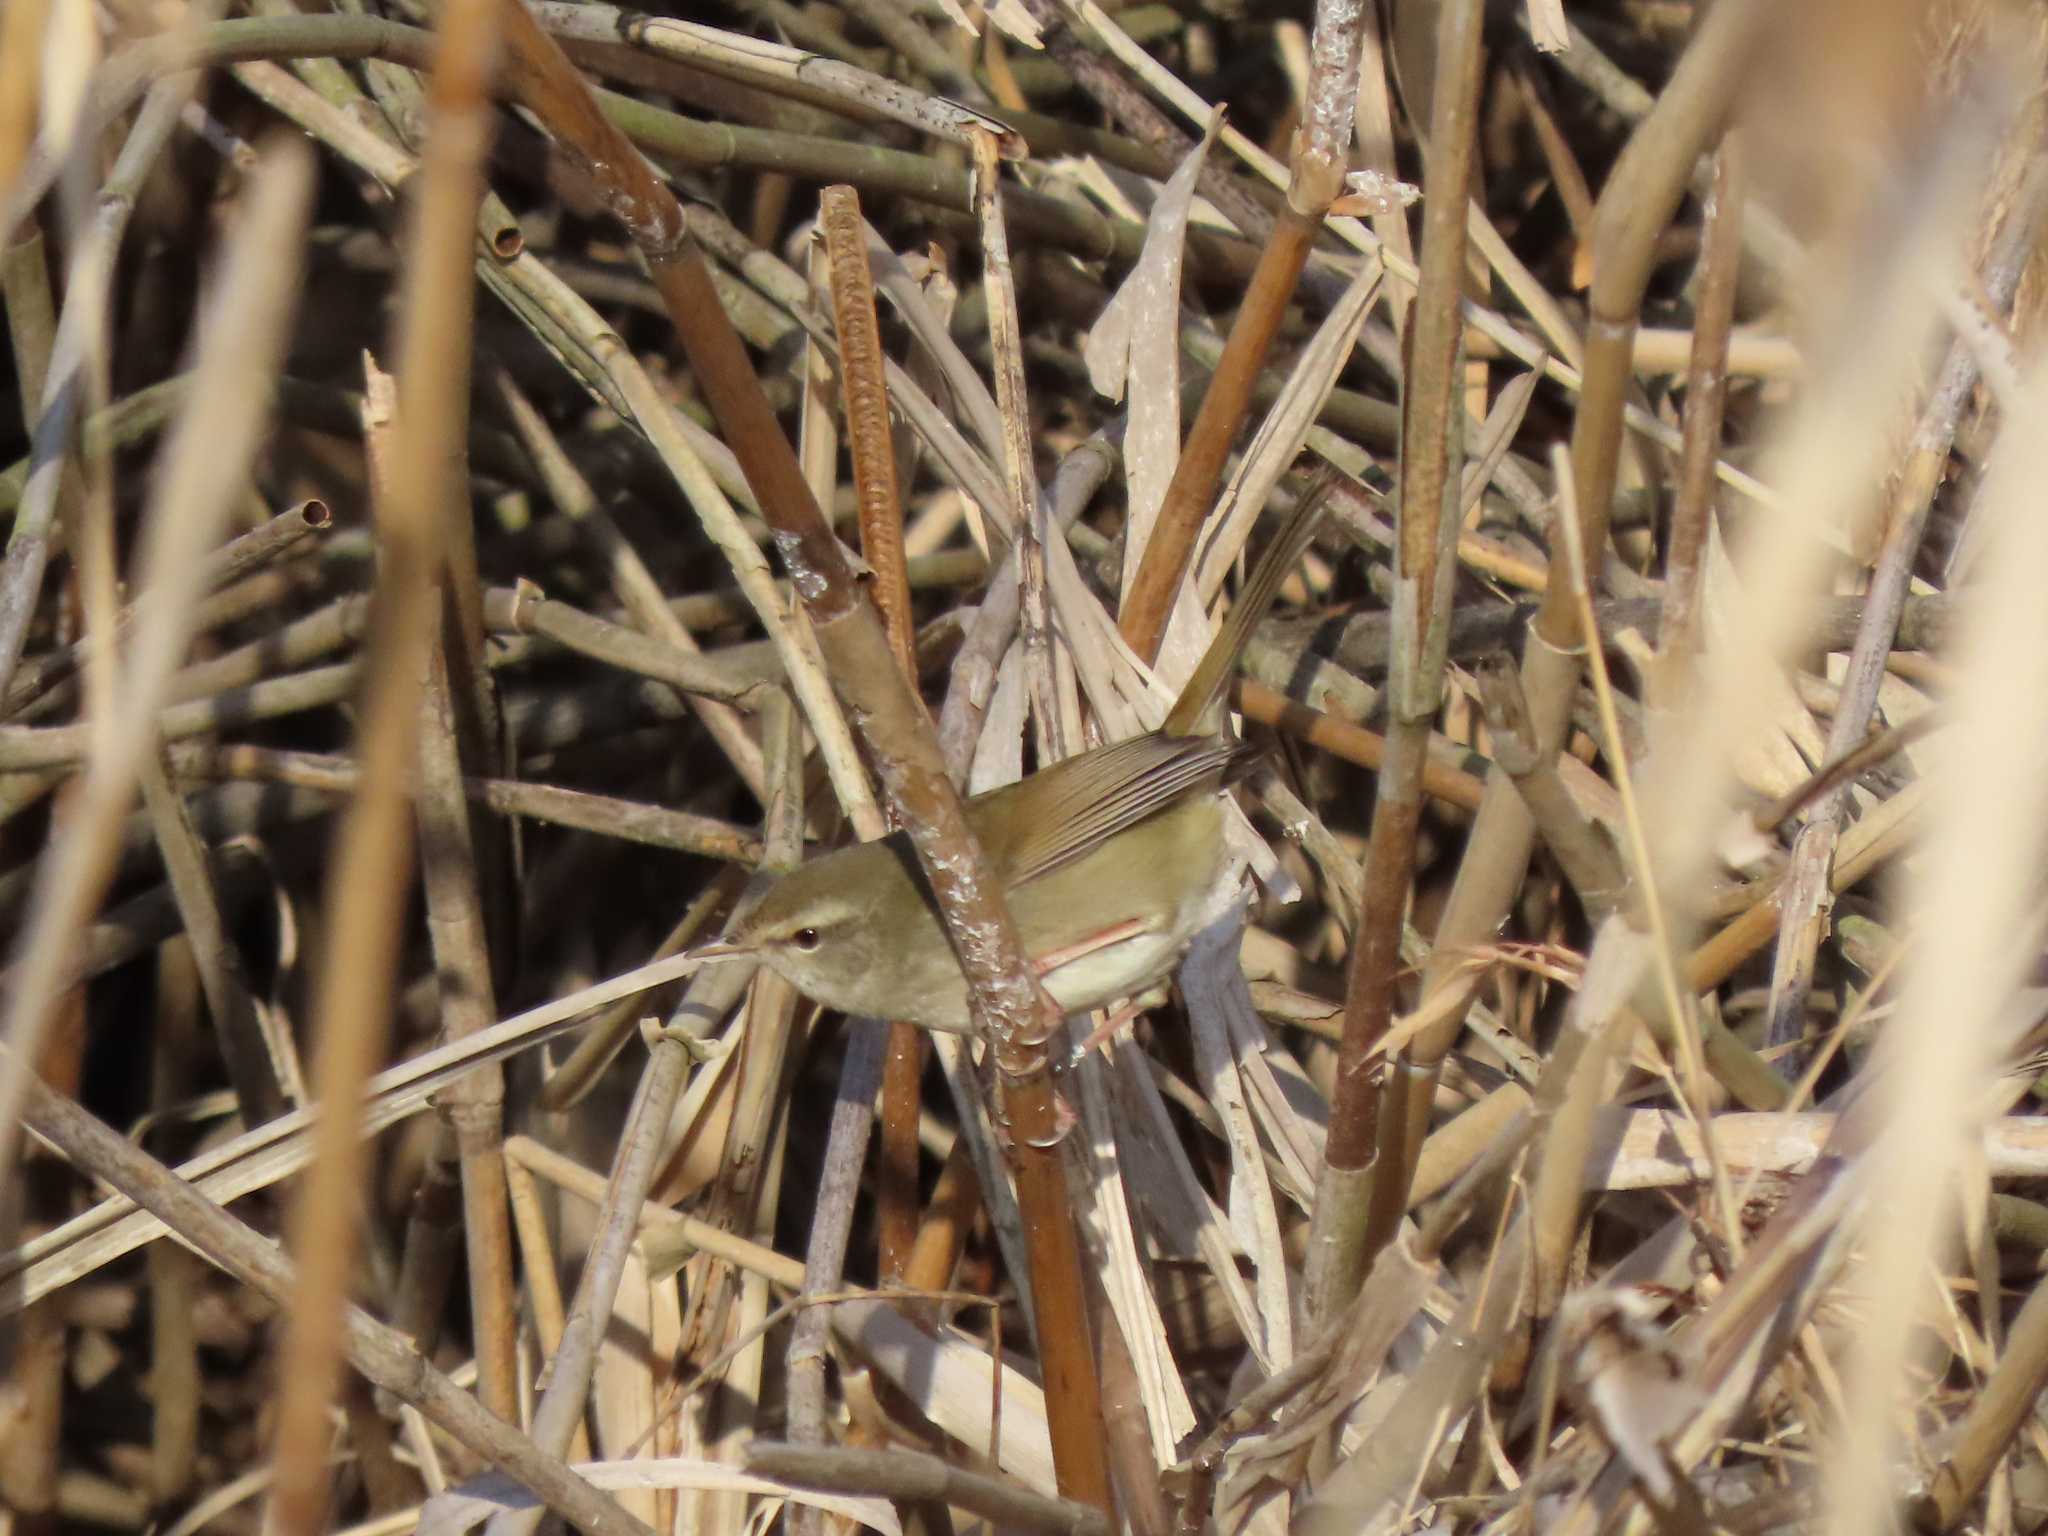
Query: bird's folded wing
x=1078, y=805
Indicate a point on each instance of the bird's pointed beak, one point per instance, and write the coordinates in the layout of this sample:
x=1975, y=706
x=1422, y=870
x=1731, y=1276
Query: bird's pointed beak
x=719, y=949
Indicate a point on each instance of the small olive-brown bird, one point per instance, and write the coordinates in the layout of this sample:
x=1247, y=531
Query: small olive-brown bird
x=1111, y=860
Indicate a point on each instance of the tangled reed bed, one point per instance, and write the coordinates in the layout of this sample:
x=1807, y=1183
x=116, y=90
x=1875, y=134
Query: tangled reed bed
x=495, y=485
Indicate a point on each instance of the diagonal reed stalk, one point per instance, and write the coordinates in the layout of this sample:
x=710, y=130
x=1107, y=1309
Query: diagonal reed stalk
x=1321, y=155
x=1021, y=1021
x=381, y=1353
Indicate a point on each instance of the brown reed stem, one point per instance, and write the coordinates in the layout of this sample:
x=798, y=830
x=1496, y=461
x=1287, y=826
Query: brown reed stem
x=1346, y=1229
x=864, y=391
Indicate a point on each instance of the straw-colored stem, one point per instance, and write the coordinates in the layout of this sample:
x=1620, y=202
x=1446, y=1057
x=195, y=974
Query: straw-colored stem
x=175, y=1273
x=467, y=1145
x=560, y=1409
x=1637, y=202
x=21, y=59
x=914, y=1476
x=1576, y=1082
x=1998, y=1409
x=825, y=1259
x=1802, y=920
x=354, y=990
x=202, y=473
x=747, y=1192
x=1583, y=850
x=1192, y=491
x=1352, y=743
x=373, y=844
x=474, y=1107
x=540, y=1267
x=635, y=821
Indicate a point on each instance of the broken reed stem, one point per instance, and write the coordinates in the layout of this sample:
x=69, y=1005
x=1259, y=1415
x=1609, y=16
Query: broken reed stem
x=746, y=1192
x=871, y=447
x=541, y=1268
x=1346, y=1230
x=1043, y=666
x=176, y=1274
x=1641, y=194
x=462, y=859
x=449, y=1207
x=380, y=1353
x=1321, y=156
x=846, y=1146
x=355, y=989
x=1582, y=849
x=1009, y=1003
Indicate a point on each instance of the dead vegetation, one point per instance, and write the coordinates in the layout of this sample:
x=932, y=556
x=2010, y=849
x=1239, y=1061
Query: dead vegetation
x=495, y=484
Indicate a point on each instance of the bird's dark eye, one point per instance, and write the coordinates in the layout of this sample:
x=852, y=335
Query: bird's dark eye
x=805, y=939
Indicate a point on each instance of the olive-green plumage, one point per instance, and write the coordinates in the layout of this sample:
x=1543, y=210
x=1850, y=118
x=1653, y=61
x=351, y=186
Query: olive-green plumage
x=1111, y=862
